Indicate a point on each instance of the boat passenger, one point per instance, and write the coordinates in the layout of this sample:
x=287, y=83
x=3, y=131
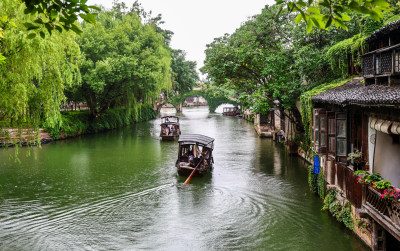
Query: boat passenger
x=191, y=158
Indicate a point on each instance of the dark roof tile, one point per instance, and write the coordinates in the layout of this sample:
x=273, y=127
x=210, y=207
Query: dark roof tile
x=384, y=31
x=356, y=93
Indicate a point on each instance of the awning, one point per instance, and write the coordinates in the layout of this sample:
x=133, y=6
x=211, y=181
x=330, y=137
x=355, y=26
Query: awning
x=386, y=126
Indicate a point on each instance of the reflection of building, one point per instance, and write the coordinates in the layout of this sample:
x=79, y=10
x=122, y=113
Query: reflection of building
x=364, y=115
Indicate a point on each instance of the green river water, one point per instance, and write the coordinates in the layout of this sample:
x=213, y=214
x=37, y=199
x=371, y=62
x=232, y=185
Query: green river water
x=119, y=190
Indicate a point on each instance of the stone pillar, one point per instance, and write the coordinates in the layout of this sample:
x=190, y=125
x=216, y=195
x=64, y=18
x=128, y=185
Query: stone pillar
x=378, y=237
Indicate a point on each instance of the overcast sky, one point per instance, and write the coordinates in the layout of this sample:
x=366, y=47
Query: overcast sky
x=196, y=23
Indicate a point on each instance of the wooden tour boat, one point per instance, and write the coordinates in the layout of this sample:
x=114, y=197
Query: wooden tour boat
x=195, y=150
x=170, y=129
x=230, y=111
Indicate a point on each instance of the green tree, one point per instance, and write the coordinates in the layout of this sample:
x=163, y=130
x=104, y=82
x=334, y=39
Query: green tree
x=325, y=13
x=256, y=62
x=58, y=15
x=184, y=74
x=33, y=77
x=125, y=62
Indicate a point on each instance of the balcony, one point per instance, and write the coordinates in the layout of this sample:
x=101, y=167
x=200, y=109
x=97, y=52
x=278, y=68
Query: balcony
x=382, y=62
x=383, y=211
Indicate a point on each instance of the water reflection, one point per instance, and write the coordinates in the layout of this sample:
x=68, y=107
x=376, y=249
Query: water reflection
x=119, y=190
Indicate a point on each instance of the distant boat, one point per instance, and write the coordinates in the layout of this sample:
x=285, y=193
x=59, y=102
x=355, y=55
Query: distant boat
x=170, y=129
x=230, y=111
x=195, y=150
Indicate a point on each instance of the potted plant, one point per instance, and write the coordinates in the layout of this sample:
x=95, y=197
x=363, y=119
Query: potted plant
x=381, y=185
x=392, y=194
x=364, y=178
x=373, y=178
x=361, y=176
x=356, y=159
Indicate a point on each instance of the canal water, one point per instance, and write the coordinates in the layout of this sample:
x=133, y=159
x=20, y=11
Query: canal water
x=119, y=190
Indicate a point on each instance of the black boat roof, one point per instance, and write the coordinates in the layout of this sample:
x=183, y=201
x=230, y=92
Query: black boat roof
x=170, y=117
x=165, y=120
x=196, y=138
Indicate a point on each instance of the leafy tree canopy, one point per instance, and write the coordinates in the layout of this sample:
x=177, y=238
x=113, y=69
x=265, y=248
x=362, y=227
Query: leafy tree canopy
x=36, y=71
x=58, y=14
x=125, y=62
x=325, y=13
x=184, y=74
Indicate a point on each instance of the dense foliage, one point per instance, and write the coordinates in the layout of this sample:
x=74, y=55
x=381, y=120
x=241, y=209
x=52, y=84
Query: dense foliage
x=269, y=60
x=184, y=74
x=121, y=63
x=316, y=182
x=124, y=62
x=325, y=13
x=35, y=72
x=342, y=212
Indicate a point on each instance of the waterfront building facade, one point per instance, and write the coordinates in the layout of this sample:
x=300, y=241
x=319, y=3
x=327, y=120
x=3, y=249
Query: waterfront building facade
x=361, y=120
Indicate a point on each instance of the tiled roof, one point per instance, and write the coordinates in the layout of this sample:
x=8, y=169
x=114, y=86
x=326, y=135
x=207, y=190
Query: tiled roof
x=384, y=31
x=356, y=93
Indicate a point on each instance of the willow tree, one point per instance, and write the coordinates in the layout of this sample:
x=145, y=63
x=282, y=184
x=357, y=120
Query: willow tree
x=36, y=70
x=125, y=62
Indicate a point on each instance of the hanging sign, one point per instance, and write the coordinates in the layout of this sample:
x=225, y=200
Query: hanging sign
x=316, y=164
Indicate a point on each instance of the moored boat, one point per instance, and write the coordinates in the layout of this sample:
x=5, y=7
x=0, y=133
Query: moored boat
x=170, y=129
x=195, y=150
x=230, y=111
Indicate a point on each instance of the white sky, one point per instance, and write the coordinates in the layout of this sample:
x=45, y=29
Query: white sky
x=196, y=23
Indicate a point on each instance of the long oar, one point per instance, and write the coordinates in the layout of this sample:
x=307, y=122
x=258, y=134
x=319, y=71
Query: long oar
x=194, y=170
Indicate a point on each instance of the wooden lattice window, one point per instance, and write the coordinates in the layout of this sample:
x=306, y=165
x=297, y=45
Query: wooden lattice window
x=368, y=65
x=396, y=61
x=386, y=62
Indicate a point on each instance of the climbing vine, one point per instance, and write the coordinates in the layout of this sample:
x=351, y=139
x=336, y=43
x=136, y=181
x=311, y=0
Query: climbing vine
x=341, y=213
x=338, y=54
x=316, y=182
x=307, y=108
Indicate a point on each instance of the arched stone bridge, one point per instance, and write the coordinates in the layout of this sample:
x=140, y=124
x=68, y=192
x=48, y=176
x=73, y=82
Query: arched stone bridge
x=213, y=100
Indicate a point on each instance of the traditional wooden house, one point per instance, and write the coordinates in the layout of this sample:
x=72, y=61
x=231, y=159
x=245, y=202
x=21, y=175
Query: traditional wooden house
x=267, y=125
x=363, y=116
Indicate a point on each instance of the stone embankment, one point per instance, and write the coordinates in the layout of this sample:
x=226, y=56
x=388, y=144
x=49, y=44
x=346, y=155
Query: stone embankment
x=11, y=136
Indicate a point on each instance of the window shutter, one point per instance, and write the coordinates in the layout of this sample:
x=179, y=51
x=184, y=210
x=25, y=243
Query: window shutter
x=331, y=134
x=341, y=137
x=323, y=132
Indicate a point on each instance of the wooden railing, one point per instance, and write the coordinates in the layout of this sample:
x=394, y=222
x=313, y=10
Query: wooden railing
x=353, y=188
x=374, y=198
x=386, y=212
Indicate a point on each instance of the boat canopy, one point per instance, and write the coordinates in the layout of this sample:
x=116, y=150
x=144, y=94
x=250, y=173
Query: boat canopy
x=197, y=138
x=170, y=119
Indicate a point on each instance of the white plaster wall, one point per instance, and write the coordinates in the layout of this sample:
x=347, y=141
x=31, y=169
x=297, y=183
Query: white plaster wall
x=387, y=158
